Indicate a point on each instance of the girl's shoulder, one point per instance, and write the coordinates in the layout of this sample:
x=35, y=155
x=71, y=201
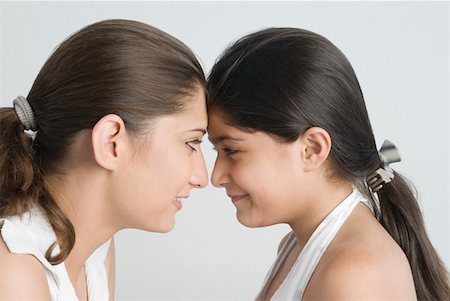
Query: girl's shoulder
x=363, y=260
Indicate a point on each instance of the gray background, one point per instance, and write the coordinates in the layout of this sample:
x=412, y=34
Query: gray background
x=400, y=52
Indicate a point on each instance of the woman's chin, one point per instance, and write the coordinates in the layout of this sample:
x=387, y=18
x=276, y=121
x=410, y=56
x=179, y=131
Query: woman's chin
x=166, y=229
x=162, y=227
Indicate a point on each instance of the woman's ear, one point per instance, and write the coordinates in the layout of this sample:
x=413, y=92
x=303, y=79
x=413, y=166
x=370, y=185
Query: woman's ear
x=108, y=140
x=316, y=146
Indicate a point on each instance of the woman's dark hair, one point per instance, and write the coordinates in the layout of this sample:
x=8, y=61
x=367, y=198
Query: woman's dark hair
x=282, y=81
x=118, y=67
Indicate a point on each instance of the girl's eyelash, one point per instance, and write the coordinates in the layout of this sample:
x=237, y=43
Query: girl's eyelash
x=227, y=150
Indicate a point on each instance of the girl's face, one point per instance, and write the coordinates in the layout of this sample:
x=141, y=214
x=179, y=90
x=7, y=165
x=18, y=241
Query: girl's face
x=260, y=175
x=162, y=173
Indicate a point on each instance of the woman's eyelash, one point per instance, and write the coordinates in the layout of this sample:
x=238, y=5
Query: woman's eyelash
x=195, y=142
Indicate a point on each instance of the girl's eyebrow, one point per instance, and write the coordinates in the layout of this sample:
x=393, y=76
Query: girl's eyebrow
x=222, y=138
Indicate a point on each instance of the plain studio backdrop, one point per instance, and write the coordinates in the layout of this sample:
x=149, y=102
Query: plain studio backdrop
x=400, y=53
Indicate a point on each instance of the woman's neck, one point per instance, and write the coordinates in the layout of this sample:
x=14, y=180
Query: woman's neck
x=81, y=199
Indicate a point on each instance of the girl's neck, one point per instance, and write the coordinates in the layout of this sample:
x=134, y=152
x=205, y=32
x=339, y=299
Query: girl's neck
x=325, y=198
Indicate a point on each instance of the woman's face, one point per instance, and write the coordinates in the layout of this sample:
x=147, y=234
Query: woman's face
x=162, y=173
x=260, y=174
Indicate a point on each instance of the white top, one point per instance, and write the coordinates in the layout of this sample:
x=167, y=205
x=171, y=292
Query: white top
x=293, y=286
x=32, y=234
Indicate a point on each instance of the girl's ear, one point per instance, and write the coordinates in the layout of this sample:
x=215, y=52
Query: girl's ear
x=316, y=146
x=109, y=141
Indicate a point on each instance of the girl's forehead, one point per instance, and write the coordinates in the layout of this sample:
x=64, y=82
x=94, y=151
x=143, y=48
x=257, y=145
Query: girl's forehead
x=218, y=126
x=220, y=129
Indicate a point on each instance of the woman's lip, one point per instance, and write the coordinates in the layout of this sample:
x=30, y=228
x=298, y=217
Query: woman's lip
x=178, y=204
x=236, y=198
x=177, y=201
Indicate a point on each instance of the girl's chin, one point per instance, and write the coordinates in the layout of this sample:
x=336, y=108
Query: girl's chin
x=245, y=221
x=252, y=222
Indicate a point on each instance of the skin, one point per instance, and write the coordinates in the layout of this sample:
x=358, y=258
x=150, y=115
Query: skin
x=129, y=185
x=272, y=182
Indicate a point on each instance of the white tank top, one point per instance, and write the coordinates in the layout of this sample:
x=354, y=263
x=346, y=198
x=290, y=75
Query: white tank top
x=32, y=234
x=294, y=284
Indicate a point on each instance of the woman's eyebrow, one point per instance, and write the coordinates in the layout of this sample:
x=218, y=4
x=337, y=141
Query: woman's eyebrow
x=203, y=131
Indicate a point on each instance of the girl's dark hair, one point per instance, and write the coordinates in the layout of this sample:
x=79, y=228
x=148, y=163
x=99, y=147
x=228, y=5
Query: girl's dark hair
x=282, y=81
x=111, y=67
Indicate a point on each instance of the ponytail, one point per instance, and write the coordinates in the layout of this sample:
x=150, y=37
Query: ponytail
x=400, y=215
x=22, y=185
x=62, y=226
x=18, y=172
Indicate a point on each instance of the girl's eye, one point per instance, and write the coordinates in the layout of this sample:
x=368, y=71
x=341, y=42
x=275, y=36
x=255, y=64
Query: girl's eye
x=193, y=143
x=227, y=150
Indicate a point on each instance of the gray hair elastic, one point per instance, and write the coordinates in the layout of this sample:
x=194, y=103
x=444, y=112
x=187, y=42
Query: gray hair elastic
x=25, y=113
x=388, y=154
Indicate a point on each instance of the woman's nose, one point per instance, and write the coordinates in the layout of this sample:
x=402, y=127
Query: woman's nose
x=199, y=177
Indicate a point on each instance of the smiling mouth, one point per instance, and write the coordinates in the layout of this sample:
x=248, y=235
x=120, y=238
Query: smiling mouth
x=237, y=198
x=178, y=202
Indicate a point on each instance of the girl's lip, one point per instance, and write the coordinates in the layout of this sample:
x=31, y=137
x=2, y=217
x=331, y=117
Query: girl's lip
x=236, y=198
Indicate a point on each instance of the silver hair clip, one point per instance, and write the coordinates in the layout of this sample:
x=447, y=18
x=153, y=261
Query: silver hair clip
x=25, y=113
x=388, y=154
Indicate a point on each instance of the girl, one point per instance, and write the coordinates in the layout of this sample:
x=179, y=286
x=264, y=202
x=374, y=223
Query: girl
x=295, y=146
x=117, y=114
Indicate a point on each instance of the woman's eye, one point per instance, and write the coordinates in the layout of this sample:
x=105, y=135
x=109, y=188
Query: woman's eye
x=193, y=143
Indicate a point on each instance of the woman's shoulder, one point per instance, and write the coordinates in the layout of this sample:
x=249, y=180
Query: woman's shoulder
x=29, y=233
x=22, y=276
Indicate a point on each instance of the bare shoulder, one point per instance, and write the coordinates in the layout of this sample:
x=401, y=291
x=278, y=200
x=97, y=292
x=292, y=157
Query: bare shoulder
x=22, y=276
x=357, y=271
x=283, y=241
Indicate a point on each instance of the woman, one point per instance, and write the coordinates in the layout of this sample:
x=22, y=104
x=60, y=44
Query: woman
x=117, y=113
x=295, y=145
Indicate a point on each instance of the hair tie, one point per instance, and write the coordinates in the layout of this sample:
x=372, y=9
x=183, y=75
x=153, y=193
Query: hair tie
x=25, y=113
x=388, y=154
